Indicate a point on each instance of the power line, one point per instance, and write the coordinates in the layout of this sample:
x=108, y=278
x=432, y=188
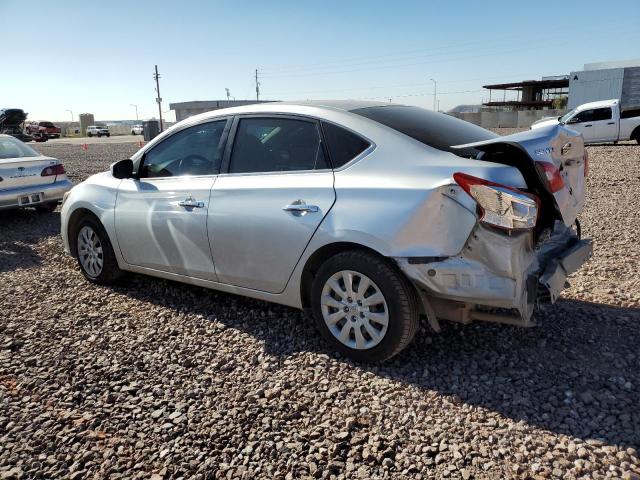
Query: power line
x=376, y=87
x=387, y=65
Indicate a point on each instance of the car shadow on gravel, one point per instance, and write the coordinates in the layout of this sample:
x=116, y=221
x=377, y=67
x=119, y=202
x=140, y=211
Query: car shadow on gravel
x=577, y=373
x=20, y=231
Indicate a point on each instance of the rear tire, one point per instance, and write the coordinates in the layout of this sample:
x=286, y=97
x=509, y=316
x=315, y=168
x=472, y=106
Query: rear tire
x=94, y=252
x=364, y=306
x=89, y=134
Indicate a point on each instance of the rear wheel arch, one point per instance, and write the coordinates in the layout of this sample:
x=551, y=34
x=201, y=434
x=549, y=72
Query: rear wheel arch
x=322, y=254
x=635, y=135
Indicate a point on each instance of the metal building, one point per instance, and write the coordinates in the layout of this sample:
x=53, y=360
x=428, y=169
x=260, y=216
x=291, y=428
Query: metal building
x=595, y=83
x=532, y=94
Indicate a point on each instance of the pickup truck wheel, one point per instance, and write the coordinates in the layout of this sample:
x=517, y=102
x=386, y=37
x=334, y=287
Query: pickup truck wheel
x=94, y=252
x=89, y=134
x=363, y=306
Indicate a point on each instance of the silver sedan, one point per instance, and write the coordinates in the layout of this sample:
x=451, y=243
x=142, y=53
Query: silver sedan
x=367, y=215
x=29, y=179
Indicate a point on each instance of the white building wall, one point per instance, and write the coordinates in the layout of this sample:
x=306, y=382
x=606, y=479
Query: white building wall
x=593, y=85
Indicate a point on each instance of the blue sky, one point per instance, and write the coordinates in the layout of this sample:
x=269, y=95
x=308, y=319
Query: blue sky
x=69, y=55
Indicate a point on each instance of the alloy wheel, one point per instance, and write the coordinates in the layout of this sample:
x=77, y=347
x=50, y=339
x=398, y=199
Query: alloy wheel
x=90, y=251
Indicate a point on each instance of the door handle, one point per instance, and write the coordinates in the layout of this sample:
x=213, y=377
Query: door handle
x=301, y=208
x=191, y=203
x=587, y=126
x=611, y=123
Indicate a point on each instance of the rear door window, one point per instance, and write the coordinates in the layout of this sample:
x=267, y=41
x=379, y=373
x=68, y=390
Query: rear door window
x=343, y=145
x=271, y=144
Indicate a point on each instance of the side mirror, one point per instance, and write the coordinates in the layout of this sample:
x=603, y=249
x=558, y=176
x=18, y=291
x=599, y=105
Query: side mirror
x=122, y=169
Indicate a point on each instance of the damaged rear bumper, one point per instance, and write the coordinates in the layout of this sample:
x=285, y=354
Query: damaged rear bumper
x=501, y=271
x=554, y=276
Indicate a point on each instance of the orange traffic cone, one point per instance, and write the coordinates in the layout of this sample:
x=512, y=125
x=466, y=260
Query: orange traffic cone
x=85, y=147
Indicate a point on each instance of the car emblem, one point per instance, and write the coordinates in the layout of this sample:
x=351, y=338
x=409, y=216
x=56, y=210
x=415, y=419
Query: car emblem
x=543, y=151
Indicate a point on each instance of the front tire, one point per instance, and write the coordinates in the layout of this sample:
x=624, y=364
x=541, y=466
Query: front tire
x=95, y=254
x=364, y=307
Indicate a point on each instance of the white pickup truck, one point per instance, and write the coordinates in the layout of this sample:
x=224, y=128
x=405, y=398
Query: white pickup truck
x=600, y=122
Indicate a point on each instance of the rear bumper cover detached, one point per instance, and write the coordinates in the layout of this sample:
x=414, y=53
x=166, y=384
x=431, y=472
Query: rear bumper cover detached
x=502, y=271
x=554, y=276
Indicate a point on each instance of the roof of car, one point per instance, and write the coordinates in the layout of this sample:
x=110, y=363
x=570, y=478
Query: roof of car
x=347, y=105
x=598, y=104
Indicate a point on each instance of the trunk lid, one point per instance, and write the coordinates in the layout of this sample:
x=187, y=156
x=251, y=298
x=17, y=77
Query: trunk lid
x=555, y=144
x=25, y=172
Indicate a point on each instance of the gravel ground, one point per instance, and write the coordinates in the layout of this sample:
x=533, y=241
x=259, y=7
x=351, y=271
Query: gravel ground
x=154, y=379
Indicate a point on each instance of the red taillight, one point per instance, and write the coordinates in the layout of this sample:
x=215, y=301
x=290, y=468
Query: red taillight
x=500, y=206
x=53, y=170
x=552, y=174
x=586, y=163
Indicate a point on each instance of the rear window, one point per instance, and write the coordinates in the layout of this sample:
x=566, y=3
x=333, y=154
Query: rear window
x=12, y=148
x=630, y=113
x=46, y=124
x=437, y=130
x=343, y=145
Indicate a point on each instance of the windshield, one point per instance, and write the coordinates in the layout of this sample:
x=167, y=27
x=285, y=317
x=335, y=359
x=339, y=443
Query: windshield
x=567, y=116
x=437, y=130
x=13, y=148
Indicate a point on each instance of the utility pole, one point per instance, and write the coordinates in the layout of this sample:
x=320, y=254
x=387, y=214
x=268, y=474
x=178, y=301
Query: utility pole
x=136, y=107
x=257, y=87
x=228, y=94
x=156, y=77
x=435, y=93
x=71, y=112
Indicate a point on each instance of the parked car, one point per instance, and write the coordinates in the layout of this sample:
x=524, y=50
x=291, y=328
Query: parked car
x=98, y=131
x=599, y=122
x=29, y=179
x=11, y=123
x=364, y=214
x=43, y=128
x=137, y=130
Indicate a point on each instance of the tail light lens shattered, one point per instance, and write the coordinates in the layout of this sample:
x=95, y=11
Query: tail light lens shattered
x=500, y=206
